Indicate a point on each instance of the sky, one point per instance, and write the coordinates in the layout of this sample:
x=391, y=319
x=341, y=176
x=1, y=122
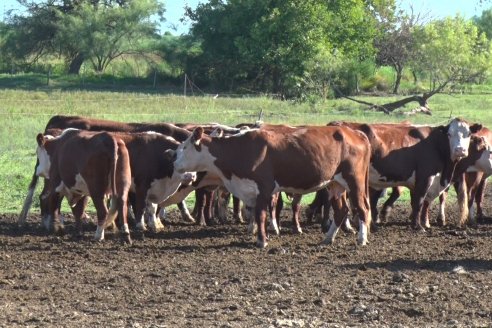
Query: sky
x=435, y=9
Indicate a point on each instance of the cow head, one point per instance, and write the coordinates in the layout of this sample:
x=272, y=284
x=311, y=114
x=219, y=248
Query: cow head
x=189, y=153
x=484, y=162
x=44, y=165
x=459, y=133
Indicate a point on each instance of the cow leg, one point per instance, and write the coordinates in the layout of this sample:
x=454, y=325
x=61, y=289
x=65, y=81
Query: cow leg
x=44, y=200
x=139, y=208
x=314, y=209
x=261, y=209
x=340, y=211
x=185, y=214
x=236, y=208
x=441, y=218
x=326, y=205
x=462, y=195
x=276, y=197
x=361, y=205
x=53, y=219
x=209, y=201
x=199, y=206
x=222, y=198
x=78, y=213
x=131, y=208
x=416, y=201
x=102, y=216
x=424, y=214
x=374, y=196
x=249, y=214
x=154, y=223
x=296, y=211
x=479, y=196
x=388, y=204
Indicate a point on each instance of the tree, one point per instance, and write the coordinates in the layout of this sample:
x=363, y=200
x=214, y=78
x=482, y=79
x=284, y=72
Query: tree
x=271, y=43
x=67, y=27
x=102, y=33
x=452, y=51
x=484, y=23
x=396, y=43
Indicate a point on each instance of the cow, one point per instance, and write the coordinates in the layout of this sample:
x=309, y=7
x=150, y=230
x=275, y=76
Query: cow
x=153, y=178
x=425, y=167
x=61, y=122
x=255, y=164
x=80, y=163
x=472, y=182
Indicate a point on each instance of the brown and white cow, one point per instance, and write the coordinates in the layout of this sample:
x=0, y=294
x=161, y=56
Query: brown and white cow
x=61, y=122
x=471, y=178
x=425, y=167
x=80, y=163
x=255, y=164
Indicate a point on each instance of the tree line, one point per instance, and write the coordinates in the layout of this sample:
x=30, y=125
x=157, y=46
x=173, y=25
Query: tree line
x=291, y=48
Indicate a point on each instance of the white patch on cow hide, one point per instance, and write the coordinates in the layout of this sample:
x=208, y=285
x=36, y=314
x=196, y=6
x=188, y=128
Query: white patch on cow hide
x=435, y=187
x=244, y=189
x=483, y=164
x=379, y=182
x=161, y=189
x=74, y=193
x=298, y=191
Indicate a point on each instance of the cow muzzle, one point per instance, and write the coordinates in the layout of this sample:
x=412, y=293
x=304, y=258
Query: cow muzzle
x=459, y=153
x=188, y=178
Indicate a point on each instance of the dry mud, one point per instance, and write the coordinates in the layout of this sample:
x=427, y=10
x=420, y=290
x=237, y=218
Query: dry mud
x=190, y=276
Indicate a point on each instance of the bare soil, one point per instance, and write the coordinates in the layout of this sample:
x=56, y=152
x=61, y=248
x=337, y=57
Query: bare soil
x=190, y=276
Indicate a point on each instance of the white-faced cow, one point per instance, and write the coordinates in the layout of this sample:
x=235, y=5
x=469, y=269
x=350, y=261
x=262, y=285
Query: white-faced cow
x=80, y=163
x=470, y=178
x=60, y=122
x=255, y=164
x=425, y=166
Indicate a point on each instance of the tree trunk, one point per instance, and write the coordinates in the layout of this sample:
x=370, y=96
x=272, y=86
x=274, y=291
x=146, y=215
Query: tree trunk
x=399, y=73
x=76, y=64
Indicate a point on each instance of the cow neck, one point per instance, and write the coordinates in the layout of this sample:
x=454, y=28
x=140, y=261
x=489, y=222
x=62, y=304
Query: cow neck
x=449, y=167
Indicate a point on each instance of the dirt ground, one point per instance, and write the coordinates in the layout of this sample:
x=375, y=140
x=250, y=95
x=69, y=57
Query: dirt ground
x=189, y=276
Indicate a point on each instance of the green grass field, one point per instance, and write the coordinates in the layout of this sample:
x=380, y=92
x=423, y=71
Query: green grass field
x=23, y=114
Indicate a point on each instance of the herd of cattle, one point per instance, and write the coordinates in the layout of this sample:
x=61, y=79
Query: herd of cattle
x=152, y=165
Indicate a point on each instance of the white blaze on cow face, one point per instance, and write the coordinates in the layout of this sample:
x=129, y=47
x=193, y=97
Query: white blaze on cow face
x=43, y=169
x=191, y=157
x=459, y=139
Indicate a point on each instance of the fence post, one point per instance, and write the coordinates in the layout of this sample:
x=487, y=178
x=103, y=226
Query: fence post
x=185, y=86
x=155, y=77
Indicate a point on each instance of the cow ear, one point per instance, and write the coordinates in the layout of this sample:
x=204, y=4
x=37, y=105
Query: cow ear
x=40, y=139
x=475, y=128
x=444, y=128
x=197, y=135
x=218, y=132
x=170, y=155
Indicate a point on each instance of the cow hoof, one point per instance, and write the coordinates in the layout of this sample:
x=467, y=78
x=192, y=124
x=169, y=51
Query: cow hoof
x=202, y=223
x=59, y=229
x=189, y=219
x=261, y=244
x=297, y=231
x=125, y=239
x=327, y=241
x=140, y=226
x=362, y=242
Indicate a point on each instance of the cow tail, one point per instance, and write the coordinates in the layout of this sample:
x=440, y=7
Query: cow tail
x=366, y=187
x=113, y=208
x=30, y=195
